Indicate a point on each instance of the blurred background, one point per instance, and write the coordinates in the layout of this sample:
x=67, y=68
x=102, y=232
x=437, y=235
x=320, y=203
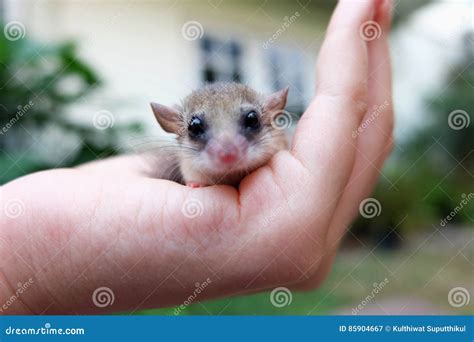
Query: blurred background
x=76, y=79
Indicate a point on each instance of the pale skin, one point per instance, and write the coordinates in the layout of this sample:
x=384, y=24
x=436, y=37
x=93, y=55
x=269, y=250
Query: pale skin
x=106, y=224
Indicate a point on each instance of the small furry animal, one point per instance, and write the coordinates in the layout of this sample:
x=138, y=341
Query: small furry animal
x=224, y=132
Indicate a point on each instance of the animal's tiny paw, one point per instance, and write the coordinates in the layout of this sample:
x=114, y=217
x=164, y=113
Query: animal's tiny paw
x=195, y=185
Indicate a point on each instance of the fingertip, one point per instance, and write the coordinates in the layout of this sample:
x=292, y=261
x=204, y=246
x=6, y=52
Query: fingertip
x=351, y=14
x=384, y=13
x=390, y=7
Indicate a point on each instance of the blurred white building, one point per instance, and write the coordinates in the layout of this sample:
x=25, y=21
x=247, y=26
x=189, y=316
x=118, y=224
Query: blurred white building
x=161, y=50
x=426, y=48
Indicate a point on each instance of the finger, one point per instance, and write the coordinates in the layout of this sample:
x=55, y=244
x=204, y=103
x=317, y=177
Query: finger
x=374, y=144
x=340, y=102
x=374, y=139
x=322, y=143
x=124, y=164
x=377, y=124
x=322, y=154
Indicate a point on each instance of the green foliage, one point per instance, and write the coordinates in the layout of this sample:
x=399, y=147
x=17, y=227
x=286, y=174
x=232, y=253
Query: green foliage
x=34, y=72
x=38, y=83
x=434, y=169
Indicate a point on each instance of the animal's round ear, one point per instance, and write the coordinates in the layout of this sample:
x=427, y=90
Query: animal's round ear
x=168, y=118
x=276, y=101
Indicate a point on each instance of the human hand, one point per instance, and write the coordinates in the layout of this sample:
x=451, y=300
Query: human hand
x=109, y=225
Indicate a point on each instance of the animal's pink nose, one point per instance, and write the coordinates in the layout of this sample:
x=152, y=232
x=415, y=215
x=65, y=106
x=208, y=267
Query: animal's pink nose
x=226, y=151
x=228, y=155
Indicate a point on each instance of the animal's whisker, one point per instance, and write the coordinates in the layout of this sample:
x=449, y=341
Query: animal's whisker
x=207, y=114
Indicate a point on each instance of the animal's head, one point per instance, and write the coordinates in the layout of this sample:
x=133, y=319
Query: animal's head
x=225, y=127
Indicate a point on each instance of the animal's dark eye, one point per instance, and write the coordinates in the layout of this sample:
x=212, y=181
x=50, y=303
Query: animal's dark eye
x=196, y=127
x=251, y=120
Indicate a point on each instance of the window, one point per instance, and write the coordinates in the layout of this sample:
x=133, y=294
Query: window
x=287, y=69
x=221, y=60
